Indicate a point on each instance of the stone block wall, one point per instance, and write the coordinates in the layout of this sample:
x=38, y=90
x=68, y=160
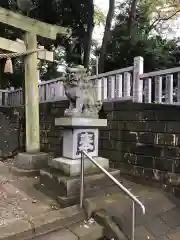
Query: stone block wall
x=10, y=133
x=51, y=135
x=12, y=128
x=143, y=140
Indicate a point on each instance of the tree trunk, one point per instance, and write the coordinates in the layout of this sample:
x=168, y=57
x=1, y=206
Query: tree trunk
x=132, y=18
x=88, y=38
x=107, y=34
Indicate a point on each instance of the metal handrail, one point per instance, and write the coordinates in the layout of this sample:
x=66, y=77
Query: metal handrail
x=125, y=190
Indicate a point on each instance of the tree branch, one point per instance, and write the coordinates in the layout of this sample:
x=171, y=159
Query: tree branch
x=158, y=20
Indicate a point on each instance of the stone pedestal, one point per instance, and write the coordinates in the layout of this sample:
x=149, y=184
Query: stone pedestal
x=29, y=164
x=63, y=175
x=29, y=161
x=72, y=168
x=79, y=134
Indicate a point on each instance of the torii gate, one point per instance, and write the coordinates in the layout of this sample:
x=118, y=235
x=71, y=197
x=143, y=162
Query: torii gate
x=31, y=28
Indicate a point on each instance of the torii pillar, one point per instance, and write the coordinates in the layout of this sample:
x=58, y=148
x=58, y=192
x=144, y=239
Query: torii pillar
x=31, y=97
x=32, y=159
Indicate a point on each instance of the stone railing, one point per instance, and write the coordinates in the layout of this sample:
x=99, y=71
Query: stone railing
x=154, y=87
x=52, y=90
x=114, y=84
x=161, y=86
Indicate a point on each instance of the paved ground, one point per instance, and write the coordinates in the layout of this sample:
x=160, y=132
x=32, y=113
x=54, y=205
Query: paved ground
x=162, y=218
x=20, y=200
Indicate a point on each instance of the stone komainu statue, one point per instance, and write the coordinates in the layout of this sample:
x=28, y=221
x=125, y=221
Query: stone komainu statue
x=81, y=94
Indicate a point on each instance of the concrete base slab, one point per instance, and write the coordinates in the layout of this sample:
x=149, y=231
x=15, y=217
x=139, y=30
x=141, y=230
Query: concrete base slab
x=73, y=167
x=29, y=161
x=70, y=186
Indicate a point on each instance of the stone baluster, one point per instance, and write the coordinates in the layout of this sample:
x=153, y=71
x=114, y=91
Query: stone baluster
x=158, y=89
x=148, y=90
x=127, y=84
x=169, y=89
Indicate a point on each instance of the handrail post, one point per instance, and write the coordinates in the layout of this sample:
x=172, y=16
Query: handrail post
x=125, y=190
x=82, y=181
x=133, y=220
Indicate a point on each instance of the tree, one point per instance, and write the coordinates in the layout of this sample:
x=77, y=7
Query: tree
x=107, y=34
x=77, y=15
x=158, y=53
x=89, y=32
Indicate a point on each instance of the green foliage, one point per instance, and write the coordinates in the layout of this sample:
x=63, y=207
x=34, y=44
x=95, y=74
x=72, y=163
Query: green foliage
x=158, y=53
x=67, y=13
x=99, y=17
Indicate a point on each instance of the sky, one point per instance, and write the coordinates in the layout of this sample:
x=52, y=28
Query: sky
x=98, y=31
x=104, y=5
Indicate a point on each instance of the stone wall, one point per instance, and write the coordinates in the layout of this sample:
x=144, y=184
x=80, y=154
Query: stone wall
x=51, y=135
x=10, y=137
x=139, y=136
x=143, y=140
x=12, y=128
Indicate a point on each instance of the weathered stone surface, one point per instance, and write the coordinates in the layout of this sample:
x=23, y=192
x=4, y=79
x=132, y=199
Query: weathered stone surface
x=17, y=230
x=70, y=186
x=31, y=161
x=80, y=122
x=76, y=139
x=64, y=234
x=24, y=210
x=23, y=172
x=81, y=93
x=136, y=133
x=98, y=203
x=57, y=219
x=112, y=230
x=73, y=167
x=166, y=139
x=88, y=231
x=9, y=132
x=146, y=137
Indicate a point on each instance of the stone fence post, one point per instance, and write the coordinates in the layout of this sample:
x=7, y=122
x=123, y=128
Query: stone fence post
x=137, y=82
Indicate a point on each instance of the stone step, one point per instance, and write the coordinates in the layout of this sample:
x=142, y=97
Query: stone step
x=70, y=186
x=97, y=203
x=67, y=189
x=112, y=230
x=42, y=225
x=80, y=231
x=98, y=192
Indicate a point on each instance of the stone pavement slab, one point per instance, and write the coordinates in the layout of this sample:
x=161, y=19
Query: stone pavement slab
x=174, y=235
x=162, y=219
x=26, y=211
x=64, y=234
x=23, y=206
